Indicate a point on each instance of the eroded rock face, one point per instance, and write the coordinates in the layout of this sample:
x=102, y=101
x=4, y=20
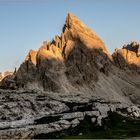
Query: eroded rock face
x=128, y=57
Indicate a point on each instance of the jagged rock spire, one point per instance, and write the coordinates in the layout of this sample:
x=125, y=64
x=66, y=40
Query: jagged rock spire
x=31, y=56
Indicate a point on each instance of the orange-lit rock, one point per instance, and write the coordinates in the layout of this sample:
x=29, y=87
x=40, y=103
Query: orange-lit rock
x=75, y=29
x=31, y=56
x=128, y=57
x=4, y=74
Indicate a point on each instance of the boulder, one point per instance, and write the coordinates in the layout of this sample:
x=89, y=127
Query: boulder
x=74, y=115
x=75, y=122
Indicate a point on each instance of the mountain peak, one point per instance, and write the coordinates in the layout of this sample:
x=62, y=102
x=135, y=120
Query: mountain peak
x=76, y=29
x=70, y=19
x=73, y=21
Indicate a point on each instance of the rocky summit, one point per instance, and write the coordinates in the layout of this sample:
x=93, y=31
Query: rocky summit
x=67, y=79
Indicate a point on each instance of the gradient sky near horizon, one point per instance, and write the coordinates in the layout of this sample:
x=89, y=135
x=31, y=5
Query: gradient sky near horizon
x=25, y=24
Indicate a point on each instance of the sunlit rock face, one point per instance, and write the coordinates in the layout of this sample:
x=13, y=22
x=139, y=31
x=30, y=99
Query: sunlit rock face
x=31, y=56
x=75, y=29
x=128, y=57
x=4, y=74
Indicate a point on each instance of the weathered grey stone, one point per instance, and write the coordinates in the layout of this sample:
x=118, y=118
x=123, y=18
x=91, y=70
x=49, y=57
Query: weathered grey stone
x=93, y=120
x=31, y=131
x=92, y=113
x=99, y=120
x=134, y=111
x=103, y=109
x=75, y=122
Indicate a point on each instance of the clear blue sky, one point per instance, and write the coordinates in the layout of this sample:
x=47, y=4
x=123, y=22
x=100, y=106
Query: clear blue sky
x=25, y=24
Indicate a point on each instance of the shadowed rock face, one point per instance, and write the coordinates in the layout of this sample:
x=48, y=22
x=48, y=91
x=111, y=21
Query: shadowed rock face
x=128, y=57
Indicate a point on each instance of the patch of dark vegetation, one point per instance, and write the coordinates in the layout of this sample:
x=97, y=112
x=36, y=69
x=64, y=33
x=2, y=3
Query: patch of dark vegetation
x=48, y=119
x=114, y=127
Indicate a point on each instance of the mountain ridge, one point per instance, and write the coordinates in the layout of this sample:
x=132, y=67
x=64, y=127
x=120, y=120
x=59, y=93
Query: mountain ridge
x=78, y=56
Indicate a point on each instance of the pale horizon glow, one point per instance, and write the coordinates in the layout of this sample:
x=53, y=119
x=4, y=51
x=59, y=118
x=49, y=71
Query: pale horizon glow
x=24, y=25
